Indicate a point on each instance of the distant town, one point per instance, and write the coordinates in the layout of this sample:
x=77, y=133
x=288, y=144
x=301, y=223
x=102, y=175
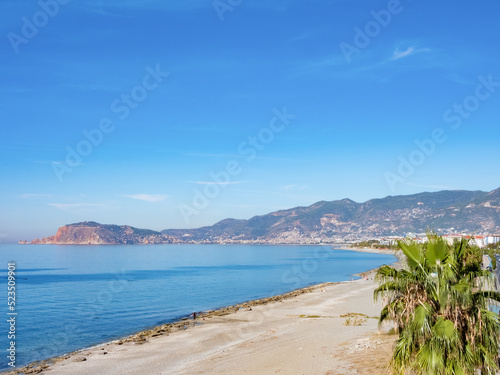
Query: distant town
x=479, y=240
x=379, y=222
x=387, y=242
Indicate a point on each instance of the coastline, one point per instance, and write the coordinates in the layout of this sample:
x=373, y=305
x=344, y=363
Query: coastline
x=184, y=323
x=368, y=250
x=223, y=316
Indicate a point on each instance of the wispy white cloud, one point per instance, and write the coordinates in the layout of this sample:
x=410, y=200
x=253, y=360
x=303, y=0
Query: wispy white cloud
x=18, y=90
x=454, y=77
x=111, y=8
x=86, y=86
x=399, y=54
x=278, y=159
x=376, y=64
x=238, y=156
x=122, y=8
x=35, y=195
x=147, y=197
x=211, y=155
x=302, y=36
x=330, y=62
x=294, y=187
x=46, y=162
x=274, y=6
x=217, y=183
x=55, y=162
x=71, y=206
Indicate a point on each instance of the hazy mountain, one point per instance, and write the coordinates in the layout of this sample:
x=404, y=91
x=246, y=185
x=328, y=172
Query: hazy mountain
x=444, y=211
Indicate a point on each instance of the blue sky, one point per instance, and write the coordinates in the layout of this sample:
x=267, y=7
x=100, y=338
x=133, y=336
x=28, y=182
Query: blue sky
x=334, y=95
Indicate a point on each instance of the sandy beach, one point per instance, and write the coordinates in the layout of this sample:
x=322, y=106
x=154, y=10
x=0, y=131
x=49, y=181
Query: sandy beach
x=326, y=329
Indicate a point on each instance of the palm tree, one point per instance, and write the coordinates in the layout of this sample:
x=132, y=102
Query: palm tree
x=439, y=303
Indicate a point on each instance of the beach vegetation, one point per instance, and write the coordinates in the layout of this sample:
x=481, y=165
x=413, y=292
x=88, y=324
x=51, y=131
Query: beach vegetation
x=441, y=302
x=354, y=319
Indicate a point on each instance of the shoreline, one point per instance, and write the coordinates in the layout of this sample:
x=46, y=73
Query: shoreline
x=174, y=326
x=341, y=246
x=397, y=253
x=185, y=323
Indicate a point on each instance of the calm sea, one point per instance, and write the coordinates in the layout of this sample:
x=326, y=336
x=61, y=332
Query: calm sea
x=70, y=297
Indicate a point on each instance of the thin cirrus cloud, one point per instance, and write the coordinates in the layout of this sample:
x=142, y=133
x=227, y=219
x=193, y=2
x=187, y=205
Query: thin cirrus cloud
x=147, y=197
x=76, y=164
x=454, y=77
x=398, y=54
x=103, y=7
x=74, y=206
x=294, y=187
x=217, y=183
x=35, y=195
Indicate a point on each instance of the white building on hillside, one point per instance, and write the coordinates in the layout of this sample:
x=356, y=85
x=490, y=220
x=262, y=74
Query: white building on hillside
x=492, y=238
x=481, y=241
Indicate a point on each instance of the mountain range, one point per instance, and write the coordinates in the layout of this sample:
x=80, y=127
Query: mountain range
x=449, y=211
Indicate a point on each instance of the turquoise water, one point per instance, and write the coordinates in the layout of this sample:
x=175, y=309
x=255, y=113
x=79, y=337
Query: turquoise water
x=70, y=297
